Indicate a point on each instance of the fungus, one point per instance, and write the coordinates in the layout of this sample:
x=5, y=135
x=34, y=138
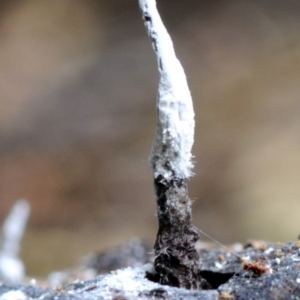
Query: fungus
x=11, y=266
x=177, y=261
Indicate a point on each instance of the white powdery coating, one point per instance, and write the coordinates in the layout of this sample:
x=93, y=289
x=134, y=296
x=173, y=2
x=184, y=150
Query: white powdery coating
x=171, y=153
x=131, y=281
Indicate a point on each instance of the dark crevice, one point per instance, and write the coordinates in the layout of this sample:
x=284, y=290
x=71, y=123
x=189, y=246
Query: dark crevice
x=216, y=279
x=213, y=279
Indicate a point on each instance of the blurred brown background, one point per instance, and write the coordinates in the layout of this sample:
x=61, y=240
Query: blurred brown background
x=78, y=84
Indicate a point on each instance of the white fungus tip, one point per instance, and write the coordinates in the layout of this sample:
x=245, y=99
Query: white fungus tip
x=171, y=153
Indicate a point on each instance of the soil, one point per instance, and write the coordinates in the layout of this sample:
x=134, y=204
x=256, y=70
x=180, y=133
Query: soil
x=257, y=270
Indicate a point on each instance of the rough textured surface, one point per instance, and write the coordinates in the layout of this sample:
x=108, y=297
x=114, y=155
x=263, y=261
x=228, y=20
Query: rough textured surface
x=258, y=271
x=176, y=258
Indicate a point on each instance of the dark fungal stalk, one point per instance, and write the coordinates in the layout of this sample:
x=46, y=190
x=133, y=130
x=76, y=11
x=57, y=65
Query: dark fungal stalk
x=177, y=262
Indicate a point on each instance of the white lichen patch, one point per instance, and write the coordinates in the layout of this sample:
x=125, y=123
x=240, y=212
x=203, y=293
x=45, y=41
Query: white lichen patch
x=171, y=153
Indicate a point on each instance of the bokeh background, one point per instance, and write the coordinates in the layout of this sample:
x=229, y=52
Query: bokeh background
x=78, y=83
